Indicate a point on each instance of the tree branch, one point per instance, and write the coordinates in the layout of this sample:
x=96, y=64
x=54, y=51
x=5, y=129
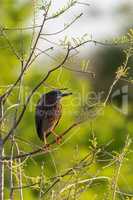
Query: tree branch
x=41, y=150
x=5, y=95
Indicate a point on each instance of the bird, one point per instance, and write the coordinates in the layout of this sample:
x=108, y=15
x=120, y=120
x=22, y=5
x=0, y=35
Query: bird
x=48, y=112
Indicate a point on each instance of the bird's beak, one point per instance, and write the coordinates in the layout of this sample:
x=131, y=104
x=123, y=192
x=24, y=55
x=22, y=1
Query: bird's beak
x=66, y=94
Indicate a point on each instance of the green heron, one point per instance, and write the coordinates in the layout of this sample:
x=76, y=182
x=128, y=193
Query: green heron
x=48, y=113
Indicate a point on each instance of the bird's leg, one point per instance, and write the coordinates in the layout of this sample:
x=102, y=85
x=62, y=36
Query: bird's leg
x=57, y=137
x=46, y=145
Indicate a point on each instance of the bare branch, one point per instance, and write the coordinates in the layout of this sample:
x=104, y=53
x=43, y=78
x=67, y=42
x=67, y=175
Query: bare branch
x=29, y=59
x=25, y=186
x=11, y=47
x=65, y=27
x=36, y=56
x=21, y=29
x=63, y=10
x=79, y=71
x=71, y=170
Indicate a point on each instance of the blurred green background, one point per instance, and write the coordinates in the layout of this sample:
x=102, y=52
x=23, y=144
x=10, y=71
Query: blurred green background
x=110, y=127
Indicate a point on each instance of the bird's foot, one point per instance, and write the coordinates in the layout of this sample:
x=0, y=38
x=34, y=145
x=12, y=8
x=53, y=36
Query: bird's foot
x=46, y=147
x=58, y=139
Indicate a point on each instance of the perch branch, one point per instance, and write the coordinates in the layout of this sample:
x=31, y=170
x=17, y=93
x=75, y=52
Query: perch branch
x=41, y=150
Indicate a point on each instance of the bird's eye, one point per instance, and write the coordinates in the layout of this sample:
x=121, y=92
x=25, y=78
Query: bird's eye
x=59, y=94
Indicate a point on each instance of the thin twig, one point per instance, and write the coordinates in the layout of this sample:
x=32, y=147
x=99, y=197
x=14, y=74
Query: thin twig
x=11, y=170
x=119, y=163
x=25, y=186
x=119, y=75
x=41, y=181
x=84, y=181
x=20, y=184
x=65, y=28
x=34, y=22
x=36, y=56
x=71, y=170
x=11, y=47
x=68, y=68
x=58, y=14
x=21, y=29
x=5, y=95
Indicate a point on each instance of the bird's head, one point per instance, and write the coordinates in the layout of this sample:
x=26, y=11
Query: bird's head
x=55, y=96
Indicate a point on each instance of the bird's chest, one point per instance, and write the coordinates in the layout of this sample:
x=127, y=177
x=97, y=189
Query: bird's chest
x=52, y=113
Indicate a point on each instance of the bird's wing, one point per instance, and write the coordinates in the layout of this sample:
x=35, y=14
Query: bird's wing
x=60, y=113
x=39, y=118
x=44, y=121
x=39, y=123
